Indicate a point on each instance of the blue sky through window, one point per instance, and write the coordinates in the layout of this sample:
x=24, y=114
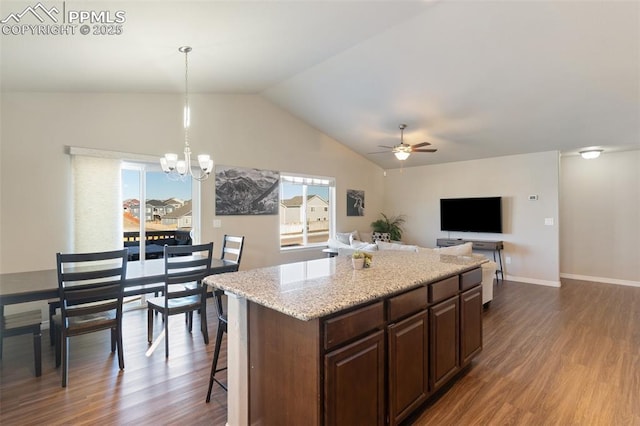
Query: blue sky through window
x=159, y=186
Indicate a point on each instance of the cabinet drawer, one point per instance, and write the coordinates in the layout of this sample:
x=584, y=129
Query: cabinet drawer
x=443, y=289
x=470, y=279
x=407, y=303
x=342, y=328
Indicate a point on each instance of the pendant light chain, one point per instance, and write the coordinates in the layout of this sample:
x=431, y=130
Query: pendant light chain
x=187, y=111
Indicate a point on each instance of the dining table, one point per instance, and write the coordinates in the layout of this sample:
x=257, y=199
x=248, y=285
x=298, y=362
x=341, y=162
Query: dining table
x=143, y=276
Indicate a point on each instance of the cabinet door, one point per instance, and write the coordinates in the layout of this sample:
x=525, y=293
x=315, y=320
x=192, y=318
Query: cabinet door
x=354, y=383
x=470, y=324
x=408, y=365
x=444, y=337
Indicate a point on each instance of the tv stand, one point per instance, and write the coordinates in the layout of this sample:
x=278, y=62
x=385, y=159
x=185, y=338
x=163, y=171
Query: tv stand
x=494, y=246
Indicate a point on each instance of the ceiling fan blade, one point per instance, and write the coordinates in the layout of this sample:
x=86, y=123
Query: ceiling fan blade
x=385, y=146
x=421, y=144
x=379, y=152
x=424, y=150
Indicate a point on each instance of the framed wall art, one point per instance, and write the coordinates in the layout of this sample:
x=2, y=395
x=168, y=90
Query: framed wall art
x=244, y=191
x=355, y=202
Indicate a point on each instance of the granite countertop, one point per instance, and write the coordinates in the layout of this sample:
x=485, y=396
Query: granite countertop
x=316, y=288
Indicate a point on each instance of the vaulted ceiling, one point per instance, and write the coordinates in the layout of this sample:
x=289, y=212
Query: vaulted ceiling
x=476, y=79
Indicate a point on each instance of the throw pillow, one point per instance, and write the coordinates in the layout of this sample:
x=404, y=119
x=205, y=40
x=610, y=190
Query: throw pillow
x=393, y=246
x=460, y=250
x=345, y=237
x=381, y=236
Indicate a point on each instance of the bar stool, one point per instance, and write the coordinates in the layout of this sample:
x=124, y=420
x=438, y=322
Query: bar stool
x=222, y=328
x=232, y=247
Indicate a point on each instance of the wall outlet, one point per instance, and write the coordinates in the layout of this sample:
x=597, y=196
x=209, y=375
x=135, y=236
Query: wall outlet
x=533, y=197
x=507, y=260
x=217, y=223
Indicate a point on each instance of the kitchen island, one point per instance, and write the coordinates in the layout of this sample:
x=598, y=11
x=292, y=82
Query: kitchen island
x=318, y=342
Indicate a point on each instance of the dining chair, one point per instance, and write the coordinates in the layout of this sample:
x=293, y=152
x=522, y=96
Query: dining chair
x=23, y=323
x=231, y=251
x=183, y=265
x=90, y=287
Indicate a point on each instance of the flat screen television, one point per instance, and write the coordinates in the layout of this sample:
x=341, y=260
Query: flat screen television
x=471, y=214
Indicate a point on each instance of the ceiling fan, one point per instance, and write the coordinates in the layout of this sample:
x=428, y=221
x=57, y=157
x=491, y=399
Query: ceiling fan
x=403, y=150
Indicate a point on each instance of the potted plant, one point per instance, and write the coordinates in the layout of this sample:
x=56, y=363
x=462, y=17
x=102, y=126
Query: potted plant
x=389, y=224
x=357, y=260
x=360, y=260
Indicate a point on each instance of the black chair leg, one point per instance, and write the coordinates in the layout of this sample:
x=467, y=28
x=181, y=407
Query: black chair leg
x=114, y=338
x=120, y=346
x=150, y=325
x=52, y=330
x=37, y=352
x=58, y=340
x=203, y=325
x=166, y=337
x=65, y=359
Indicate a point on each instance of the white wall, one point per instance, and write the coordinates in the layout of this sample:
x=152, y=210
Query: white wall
x=600, y=213
x=532, y=246
x=237, y=130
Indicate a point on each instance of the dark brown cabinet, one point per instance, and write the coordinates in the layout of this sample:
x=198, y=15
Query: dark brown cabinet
x=372, y=364
x=408, y=343
x=445, y=341
x=470, y=324
x=354, y=383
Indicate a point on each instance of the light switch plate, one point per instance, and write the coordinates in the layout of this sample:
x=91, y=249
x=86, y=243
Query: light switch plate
x=217, y=223
x=548, y=221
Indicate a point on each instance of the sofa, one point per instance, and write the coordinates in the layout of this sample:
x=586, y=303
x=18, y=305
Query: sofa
x=346, y=243
x=155, y=242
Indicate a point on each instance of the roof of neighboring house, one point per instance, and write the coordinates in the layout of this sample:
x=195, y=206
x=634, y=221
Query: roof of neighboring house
x=297, y=200
x=175, y=201
x=156, y=203
x=179, y=212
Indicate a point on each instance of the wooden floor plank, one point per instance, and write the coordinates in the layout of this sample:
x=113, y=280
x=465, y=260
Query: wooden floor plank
x=567, y=356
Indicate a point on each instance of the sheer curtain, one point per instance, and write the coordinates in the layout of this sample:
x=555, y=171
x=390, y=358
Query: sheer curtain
x=97, y=203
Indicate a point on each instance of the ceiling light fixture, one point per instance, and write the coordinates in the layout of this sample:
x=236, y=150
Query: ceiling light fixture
x=179, y=169
x=590, y=154
x=401, y=155
x=402, y=151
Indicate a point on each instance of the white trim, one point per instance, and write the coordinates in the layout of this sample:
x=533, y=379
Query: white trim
x=601, y=280
x=533, y=281
x=127, y=156
x=237, y=361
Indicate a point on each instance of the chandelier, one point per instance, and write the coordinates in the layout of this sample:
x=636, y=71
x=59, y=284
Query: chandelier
x=179, y=169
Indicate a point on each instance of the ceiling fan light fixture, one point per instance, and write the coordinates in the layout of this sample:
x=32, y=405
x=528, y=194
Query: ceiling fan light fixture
x=401, y=155
x=590, y=154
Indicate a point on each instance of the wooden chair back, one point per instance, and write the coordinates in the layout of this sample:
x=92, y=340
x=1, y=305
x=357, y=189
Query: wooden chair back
x=90, y=283
x=184, y=265
x=232, y=248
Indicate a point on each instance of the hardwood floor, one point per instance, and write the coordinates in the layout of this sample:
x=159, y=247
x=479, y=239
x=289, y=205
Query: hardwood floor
x=568, y=356
x=151, y=390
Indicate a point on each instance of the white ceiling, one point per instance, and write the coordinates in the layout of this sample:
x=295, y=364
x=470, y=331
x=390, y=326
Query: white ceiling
x=477, y=79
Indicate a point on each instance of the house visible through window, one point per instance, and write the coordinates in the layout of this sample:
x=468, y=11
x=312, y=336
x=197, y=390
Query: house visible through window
x=306, y=210
x=167, y=205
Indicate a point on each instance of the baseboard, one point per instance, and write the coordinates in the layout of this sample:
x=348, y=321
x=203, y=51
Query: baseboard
x=601, y=280
x=533, y=281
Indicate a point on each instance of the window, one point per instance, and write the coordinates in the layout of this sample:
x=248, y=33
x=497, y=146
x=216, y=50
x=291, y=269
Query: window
x=168, y=206
x=306, y=210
